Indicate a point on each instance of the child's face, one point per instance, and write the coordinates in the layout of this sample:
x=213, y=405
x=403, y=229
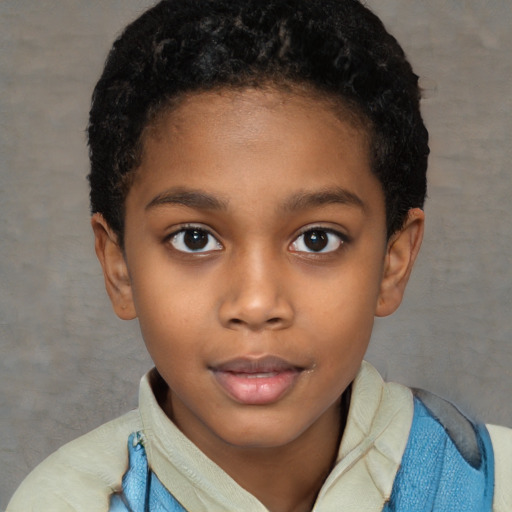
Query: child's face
x=256, y=259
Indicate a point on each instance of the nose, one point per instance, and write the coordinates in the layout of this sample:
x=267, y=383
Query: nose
x=255, y=295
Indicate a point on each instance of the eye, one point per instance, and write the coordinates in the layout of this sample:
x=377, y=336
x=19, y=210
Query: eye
x=318, y=240
x=194, y=240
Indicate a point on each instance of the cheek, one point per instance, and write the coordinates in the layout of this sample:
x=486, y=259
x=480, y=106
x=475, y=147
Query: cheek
x=171, y=317
x=341, y=316
x=345, y=299
x=163, y=292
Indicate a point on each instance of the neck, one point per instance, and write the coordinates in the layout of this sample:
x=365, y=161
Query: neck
x=287, y=478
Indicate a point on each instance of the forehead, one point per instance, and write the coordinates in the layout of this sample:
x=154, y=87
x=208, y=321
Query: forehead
x=233, y=108
x=257, y=141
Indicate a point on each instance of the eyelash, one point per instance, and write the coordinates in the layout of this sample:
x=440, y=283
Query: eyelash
x=342, y=239
x=177, y=238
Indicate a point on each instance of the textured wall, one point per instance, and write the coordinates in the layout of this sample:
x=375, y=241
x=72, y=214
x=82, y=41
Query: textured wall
x=68, y=364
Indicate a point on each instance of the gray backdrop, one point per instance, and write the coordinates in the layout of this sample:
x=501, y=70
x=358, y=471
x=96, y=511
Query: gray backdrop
x=69, y=365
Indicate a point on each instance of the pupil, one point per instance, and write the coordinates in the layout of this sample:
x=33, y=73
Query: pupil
x=195, y=239
x=316, y=240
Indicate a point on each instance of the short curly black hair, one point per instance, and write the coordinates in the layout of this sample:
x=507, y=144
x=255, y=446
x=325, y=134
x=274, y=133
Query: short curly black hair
x=334, y=47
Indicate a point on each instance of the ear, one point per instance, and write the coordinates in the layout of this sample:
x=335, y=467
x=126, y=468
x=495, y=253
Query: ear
x=115, y=270
x=402, y=249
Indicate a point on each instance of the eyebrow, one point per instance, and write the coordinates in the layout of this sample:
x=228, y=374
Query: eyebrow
x=338, y=195
x=191, y=198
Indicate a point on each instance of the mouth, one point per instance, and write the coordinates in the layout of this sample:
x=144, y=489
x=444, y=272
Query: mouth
x=259, y=381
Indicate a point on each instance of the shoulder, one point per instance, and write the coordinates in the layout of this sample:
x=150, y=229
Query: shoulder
x=82, y=474
x=501, y=438
x=462, y=435
x=458, y=429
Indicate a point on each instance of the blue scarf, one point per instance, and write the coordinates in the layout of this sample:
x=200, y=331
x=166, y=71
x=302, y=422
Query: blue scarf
x=448, y=463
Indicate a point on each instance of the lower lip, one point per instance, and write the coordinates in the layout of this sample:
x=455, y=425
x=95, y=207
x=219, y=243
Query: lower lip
x=257, y=389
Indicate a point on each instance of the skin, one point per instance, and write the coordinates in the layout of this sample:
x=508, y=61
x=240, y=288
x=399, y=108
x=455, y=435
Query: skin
x=256, y=172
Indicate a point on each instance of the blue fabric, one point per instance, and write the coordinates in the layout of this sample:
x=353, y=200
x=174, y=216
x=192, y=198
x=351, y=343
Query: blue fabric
x=435, y=477
x=142, y=491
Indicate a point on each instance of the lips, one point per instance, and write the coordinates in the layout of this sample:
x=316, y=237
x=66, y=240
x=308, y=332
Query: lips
x=260, y=381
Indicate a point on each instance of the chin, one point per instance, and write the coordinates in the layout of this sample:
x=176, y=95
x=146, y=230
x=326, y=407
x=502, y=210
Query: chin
x=259, y=435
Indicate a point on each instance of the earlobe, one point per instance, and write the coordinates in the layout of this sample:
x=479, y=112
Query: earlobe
x=115, y=270
x=402, y=250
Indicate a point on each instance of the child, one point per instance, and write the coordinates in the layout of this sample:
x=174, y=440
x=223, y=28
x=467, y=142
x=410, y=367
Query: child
x=257, y=178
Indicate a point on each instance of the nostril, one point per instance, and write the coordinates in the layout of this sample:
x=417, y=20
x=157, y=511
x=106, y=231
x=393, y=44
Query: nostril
x=270, y=321
x=255, y=312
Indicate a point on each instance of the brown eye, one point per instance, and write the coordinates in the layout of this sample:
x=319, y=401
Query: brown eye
x=318, y=240
x=194, y=240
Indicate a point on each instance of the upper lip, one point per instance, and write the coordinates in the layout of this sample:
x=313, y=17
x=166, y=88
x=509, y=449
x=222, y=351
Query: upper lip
x=250, y=365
